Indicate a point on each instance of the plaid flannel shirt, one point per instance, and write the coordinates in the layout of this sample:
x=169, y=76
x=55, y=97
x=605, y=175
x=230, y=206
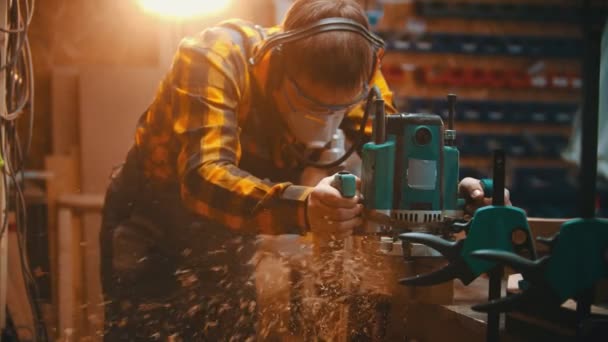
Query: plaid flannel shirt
x=190, y=136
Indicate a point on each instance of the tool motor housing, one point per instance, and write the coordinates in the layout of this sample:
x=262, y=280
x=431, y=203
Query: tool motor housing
x=412, y=176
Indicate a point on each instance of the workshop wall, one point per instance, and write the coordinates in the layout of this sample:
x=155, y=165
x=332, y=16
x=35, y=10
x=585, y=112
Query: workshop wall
x=81, y=33
x=515, y=65
x=96, y=66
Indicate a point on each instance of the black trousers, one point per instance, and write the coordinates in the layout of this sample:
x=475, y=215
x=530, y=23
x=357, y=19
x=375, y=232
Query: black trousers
x=168, y=273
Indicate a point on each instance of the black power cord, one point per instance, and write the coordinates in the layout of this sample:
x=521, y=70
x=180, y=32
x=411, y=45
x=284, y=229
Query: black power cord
x=374, y=102
x=19, y=84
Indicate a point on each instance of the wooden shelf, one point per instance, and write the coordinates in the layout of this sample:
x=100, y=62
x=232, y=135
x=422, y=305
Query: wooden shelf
x=486, y=163
x=533, y=95
x=405, y=58
x=397, y=15
x=502, y=128
x=480, y=26
x=402, y=72
x=528, y=2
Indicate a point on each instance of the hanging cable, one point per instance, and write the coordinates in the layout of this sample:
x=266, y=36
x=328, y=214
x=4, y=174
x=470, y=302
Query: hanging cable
x=374, y=97
x=19, y=85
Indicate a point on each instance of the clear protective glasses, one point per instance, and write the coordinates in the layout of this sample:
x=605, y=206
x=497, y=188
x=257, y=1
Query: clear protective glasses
x=307, y=104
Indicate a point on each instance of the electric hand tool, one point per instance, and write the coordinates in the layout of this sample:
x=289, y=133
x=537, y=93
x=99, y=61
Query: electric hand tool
x=496, y=226
x=410, y=173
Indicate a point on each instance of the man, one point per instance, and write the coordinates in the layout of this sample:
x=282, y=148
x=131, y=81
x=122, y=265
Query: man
x=572, y=153
x=216, y=160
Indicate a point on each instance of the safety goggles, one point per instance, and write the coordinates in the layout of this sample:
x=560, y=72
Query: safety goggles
x=307, y=104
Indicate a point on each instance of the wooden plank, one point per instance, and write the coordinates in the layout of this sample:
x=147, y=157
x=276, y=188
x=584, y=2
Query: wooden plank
x=545, y=226
x=79, y=282
x=92, y=202
x=65, y=272
x=64, y=109
x=93, y=307
x=72, y=320
x=18, y=299
x=65, y=179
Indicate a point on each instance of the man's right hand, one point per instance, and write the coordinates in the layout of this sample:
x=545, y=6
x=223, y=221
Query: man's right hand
x=329, y=214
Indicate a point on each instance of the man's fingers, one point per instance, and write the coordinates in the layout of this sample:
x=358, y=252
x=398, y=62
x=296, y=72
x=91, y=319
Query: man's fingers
x=507, y=197
x=470, y=187
x=333, y=198
x=473, y=205
x=342, y=214
x=330, y=214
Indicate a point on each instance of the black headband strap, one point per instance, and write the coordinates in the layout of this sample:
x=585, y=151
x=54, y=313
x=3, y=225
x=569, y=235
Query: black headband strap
x=323, y=25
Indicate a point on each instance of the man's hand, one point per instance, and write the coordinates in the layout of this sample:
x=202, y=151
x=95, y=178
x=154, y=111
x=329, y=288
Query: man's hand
x=329, y=214
x=471, y=190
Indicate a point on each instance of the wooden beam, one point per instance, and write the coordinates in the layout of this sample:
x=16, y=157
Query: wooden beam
x=18, y=299
x=65, y=179
x=76, y=293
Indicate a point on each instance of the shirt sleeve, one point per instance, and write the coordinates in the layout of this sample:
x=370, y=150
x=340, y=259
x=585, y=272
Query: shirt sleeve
x=354, y=118
x=208, y=83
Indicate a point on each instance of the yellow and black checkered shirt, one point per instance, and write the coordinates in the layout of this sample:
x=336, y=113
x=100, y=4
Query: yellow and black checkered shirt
x=207, y=133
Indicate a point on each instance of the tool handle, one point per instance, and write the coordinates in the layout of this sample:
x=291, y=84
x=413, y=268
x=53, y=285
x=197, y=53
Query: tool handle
x=459, y=226
x=498, y=197
x=451, y=110
x=487, y=185
x=346, y=183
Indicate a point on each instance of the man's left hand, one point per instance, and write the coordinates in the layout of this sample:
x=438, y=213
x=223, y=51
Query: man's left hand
x=472, y=191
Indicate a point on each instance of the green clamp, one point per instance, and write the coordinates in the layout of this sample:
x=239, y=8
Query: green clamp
x=346, y=183
x=487, y=185
x=500, y=228
x=578, y=261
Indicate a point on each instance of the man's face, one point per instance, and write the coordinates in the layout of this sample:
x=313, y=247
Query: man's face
x=313, y=112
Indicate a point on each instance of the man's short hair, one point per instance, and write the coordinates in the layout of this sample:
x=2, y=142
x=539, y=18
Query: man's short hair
x=335, y=59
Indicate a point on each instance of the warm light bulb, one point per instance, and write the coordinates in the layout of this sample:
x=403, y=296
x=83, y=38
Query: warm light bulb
x=183, y=8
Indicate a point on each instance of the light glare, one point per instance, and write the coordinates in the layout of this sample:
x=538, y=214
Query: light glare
x=183, y=8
